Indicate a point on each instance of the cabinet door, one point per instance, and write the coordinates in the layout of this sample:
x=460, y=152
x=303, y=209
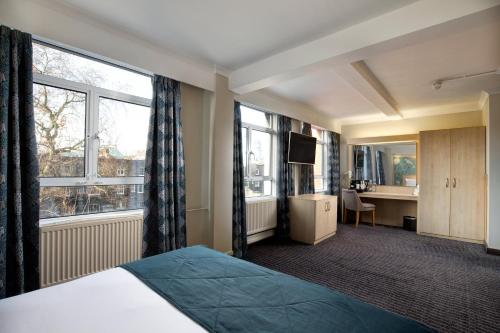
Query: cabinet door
x=332, y=216
x=321, y=219
x=434, y=197
x=468, y=171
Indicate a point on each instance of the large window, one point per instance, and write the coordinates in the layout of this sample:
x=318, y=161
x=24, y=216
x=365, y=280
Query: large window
x=91, y=126
x=258, y=136
x=320, y=161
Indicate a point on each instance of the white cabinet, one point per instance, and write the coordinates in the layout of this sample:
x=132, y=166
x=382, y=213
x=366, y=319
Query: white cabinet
x=313, y=217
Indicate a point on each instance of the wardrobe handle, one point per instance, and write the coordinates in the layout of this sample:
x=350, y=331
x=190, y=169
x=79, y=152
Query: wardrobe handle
x=447, y=182
x=454, y=182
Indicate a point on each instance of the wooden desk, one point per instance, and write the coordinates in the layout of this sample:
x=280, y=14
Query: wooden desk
x=390, y=207
x=389, y=196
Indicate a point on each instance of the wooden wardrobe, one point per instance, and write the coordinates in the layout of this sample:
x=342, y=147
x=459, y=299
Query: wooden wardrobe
x=453, y=183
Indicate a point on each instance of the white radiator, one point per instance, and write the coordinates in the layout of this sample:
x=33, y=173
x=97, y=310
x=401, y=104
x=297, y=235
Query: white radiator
x=73, y=249
x=261, y=217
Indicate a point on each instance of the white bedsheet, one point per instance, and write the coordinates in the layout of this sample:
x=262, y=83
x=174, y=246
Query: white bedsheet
x=109, y=301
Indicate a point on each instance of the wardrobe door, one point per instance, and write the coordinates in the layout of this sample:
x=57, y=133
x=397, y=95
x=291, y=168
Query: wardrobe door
x=434, y=197
x=468, y=176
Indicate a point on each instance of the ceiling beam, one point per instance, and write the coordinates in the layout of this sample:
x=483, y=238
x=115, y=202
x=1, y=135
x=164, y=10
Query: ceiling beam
x=359, y=76
x=363, y=36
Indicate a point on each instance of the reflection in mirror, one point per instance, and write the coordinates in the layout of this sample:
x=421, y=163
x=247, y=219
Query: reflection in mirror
x=393, y=164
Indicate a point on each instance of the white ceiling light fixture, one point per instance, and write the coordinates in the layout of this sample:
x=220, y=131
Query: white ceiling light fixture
x=437, y=84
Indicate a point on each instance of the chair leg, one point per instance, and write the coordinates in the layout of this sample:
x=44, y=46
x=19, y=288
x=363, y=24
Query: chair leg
x=357, y=218
x=344, y=218
x=373, y=218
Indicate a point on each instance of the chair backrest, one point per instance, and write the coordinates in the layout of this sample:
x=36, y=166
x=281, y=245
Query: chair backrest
x=351, y=200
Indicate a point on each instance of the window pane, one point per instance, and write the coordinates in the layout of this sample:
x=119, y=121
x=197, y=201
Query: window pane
x=123, y=133
x=54, y=62
x=318, y=185
x=244, y=133
x=254, y=117
x=78, y=200
x=317, y=133
x=60, y=131
x=260, y=154
x=318, y=165
x=257, y=188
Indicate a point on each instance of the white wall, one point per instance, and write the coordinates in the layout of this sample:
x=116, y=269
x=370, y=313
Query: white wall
x=295, y=110
x=195, y=123
x=222, y=165
x=492, y=113
x=413, y=125
x=51, y=20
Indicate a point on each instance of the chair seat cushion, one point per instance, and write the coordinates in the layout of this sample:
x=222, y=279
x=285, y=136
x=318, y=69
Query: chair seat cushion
x=368, y=206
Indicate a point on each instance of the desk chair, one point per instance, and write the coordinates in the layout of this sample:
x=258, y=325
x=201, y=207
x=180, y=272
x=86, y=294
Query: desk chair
x=353, y=202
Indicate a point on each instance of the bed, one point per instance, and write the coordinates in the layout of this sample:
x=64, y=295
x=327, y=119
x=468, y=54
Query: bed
x=194, y=289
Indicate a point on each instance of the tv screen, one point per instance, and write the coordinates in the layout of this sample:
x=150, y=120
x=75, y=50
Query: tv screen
x=302, y=149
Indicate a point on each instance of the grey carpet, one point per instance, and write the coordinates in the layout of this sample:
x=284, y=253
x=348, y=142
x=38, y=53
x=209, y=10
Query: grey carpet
x=449, y=285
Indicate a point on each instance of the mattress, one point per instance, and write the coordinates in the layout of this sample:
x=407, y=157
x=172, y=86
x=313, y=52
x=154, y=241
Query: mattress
x=109, y=301
x=193, y=290
x=226, y=295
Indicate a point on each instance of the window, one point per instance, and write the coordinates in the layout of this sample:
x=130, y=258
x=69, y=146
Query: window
x=91, y=122
x=258, y=136
x=320, y=161
x=120, y=190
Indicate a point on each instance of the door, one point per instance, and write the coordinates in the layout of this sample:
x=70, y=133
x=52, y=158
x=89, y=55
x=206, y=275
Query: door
x=434, y=197
x=468, y=176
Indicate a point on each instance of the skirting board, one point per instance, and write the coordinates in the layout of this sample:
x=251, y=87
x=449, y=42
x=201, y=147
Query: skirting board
x=495, y=252
x=450, y=237
x=260, y=236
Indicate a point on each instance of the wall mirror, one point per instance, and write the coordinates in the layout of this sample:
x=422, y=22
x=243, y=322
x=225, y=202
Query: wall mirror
x=393, y=164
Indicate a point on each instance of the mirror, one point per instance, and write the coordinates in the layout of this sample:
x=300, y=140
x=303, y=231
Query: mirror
x=393, y=164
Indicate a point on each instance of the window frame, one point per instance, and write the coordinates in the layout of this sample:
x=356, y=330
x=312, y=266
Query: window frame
x=324, y=152
x=272, y=172
x=93, y=95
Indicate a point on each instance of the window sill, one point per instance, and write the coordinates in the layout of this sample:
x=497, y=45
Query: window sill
x=87, y=218
x=261, y=199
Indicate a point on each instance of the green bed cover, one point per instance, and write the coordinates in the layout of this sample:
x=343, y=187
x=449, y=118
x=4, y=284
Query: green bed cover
x=225, y=294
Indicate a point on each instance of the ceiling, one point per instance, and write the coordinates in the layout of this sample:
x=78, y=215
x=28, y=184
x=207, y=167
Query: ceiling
x=229, y=33
x=326, y=91
x=304, y=50
x=407, y=72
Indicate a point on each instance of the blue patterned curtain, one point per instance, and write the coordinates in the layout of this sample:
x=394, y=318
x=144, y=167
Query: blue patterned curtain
x=164, y=182
x=239, y=209
x=285, y=181
x=358, y=172
x=367, y=168
x=306, y=171
x=19, y=186
x=333, y=163
x=379, y=160
x=364, y=172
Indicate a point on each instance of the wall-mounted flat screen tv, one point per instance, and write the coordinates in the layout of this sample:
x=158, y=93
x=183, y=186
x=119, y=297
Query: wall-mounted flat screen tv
x=301, y=149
